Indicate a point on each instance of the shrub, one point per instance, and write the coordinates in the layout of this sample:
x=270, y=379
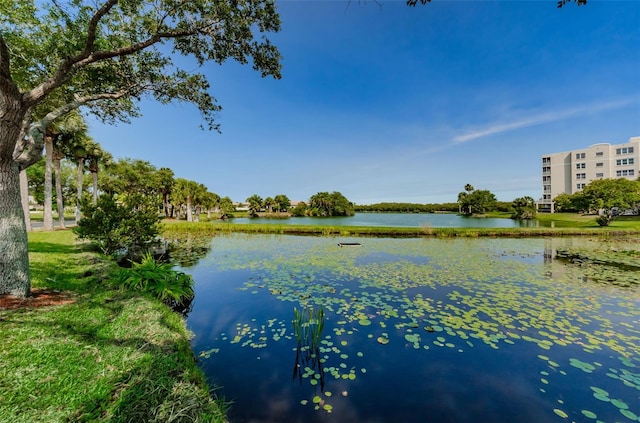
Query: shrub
x=114, y=225
x=158, y=279
x=603, y=220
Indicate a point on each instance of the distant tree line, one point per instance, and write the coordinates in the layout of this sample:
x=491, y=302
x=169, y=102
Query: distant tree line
x=279, y=203
x=407, y=208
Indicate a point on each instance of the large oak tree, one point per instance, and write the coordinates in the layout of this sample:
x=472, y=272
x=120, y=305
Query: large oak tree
x=104, y=56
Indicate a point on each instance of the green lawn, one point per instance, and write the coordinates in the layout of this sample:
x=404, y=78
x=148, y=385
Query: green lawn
x=110, y=356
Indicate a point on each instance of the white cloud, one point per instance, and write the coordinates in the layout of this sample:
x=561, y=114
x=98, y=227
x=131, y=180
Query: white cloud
x=558, y=115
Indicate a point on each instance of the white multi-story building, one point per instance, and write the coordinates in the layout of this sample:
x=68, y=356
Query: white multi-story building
x=570, y=171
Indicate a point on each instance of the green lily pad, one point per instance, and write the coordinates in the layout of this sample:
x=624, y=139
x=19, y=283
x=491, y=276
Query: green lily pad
x=628, y=414
x=589, y=414
x=620, y=404
x=560, y=413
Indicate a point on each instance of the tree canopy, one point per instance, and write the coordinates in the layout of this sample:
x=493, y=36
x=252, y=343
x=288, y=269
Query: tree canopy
x=559, y=3
x=334, y=204
x=524, y=208
x=474, y=201
x=105, y=56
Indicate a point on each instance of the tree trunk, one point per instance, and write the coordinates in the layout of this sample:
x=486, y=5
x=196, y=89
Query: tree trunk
x=59, y=199
x=48, y=204
x=165, y=204
x=24, y=196
x=94, y=175
x=14, y=256
x=189, y=212
x=79, y=183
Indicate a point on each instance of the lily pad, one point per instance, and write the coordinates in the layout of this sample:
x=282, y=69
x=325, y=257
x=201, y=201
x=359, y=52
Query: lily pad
x=383, y=340
x=560, y=413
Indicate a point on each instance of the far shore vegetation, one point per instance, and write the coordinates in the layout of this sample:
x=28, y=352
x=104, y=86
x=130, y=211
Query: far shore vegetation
x=564, y=224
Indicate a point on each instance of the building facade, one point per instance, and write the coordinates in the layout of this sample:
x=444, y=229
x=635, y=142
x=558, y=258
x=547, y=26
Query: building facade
x=570, y=171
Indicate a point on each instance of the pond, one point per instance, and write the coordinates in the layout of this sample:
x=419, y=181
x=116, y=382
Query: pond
x=411, y=220
x=416, y=330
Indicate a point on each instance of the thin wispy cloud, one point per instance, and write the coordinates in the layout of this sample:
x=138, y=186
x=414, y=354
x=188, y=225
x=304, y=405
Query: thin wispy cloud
x=543, y=118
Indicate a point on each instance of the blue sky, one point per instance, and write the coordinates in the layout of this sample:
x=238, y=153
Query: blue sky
x=383, y=102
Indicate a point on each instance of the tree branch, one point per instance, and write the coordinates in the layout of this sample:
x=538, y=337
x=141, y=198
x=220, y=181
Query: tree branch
x=5, y=72
x=29, y=150
x=85, y=58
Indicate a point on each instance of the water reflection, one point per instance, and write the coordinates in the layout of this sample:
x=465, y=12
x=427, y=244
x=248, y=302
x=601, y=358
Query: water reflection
x=187, y=249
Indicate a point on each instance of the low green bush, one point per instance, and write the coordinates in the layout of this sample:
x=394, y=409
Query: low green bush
x=117, y=225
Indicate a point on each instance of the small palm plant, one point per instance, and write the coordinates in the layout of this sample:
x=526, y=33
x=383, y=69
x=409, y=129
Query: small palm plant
x=158, y=279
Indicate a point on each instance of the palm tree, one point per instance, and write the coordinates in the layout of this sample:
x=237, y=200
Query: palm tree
x=269, y=203
x=24, y=197
x=226, y=207
x=255, y=204
x=57, y=136
x=282, y=202
x=165, y=183
x=47, y=223
x=190, y=194
x=96, y=156
x=210, y=201
x=79, y=152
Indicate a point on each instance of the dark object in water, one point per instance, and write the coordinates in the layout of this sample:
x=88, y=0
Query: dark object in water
x=349, y=244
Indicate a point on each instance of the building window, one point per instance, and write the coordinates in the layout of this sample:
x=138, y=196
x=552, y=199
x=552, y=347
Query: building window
x=546, y=179
x=581, y=176
x=599, y=154
x=546, y=169
x=580, y=186
x=625, y=172
x=624, y=150
x=599, y=164
x=580, y=165
x=624, y=162
x=580, y=156
x=599, y=175
x=546, y=197
x=546, y=160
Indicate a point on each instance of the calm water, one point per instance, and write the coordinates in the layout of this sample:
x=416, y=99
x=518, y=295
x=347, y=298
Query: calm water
x=416, y=330
x=413, y=220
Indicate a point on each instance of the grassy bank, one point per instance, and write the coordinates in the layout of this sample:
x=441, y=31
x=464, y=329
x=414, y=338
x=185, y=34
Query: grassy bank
x=108, y=356
x=563, y=225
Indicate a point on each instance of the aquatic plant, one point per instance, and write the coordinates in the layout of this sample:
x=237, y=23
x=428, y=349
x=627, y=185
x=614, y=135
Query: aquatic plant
x=308, y=324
